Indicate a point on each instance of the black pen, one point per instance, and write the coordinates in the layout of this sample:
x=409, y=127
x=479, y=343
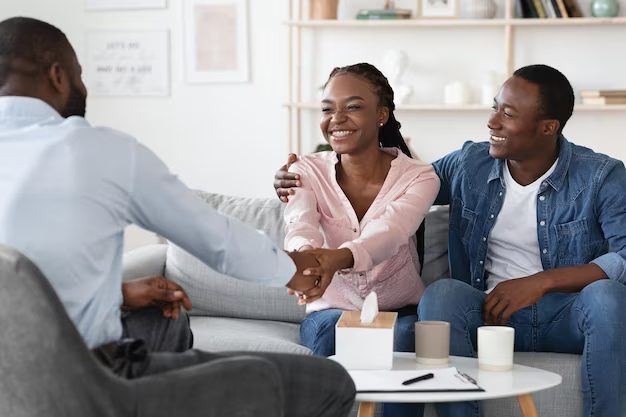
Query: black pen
x=419, y=378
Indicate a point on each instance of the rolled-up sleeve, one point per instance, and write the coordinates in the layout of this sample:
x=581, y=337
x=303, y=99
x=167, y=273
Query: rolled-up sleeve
x=611, y=208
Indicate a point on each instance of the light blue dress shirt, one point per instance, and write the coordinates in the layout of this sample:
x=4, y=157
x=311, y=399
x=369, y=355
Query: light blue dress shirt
x=68, y=190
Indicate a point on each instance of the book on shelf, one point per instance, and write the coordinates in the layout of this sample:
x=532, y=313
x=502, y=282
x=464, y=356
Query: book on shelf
x=604, y=100
x=383, y=14
x=541, y=12
x=527, y=8
x=548, y=8
x=602, y=93
x=562, y=9
x=573, y=9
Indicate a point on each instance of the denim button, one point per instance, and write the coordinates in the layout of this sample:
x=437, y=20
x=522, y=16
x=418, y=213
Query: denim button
x=545, y=251
x=477, y=279
x=542, y=223
x=484, y=239
x=491, y=216
x=500, y=193
x=542, y=197
x=481, y=262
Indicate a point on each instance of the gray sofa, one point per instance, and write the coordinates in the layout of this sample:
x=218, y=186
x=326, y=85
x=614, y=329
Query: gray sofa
x=229, y=314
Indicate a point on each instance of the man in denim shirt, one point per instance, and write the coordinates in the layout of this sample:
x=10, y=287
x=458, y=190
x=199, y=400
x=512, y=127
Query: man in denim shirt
x=532, y=206
x=537, y=240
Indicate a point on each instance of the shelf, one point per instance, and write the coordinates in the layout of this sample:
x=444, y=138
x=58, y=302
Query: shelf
x=406, y=23
x=466, y=107
x=416, y=23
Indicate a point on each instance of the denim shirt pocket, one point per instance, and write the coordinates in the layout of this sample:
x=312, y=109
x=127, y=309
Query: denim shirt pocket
x=464, y=219
x=573, y=242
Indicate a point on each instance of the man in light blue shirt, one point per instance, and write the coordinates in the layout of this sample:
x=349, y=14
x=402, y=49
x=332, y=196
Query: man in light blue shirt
x=69, y=189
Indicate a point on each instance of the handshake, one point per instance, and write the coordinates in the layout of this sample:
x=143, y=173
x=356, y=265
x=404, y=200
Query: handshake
x=315, y=271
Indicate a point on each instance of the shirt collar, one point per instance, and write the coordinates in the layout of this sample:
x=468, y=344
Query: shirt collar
x=26, y=109
x=556, y=178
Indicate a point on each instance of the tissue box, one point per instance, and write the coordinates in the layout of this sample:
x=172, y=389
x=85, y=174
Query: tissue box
x=365, y=346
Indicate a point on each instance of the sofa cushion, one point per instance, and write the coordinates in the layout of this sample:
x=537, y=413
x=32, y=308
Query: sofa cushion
x=436, y=245
x=222, y=334
x=216, y=294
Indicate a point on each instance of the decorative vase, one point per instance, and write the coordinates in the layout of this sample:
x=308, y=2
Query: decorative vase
x=323, y=9
x=478, y=9
x=604, y=8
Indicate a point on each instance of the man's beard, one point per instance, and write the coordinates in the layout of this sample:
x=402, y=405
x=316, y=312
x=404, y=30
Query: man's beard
x=76, y=104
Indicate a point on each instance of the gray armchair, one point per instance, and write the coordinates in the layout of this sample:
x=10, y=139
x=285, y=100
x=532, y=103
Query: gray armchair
x=47, y=370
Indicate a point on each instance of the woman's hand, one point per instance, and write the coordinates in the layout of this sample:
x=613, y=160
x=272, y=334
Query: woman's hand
x=331, y=261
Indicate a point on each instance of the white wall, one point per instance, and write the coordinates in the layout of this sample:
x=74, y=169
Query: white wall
x=230, y=138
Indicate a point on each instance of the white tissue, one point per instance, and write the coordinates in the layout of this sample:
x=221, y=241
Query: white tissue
x=370, y=308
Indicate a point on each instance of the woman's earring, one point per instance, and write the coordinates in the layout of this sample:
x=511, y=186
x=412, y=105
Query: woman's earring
x=380, y=124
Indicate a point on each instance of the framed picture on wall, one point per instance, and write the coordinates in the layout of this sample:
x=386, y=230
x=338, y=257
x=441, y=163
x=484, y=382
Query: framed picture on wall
x=438, y=8
x=216, y=41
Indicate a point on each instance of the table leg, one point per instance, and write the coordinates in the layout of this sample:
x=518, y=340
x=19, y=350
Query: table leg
x=527, y=405
x=366, y=409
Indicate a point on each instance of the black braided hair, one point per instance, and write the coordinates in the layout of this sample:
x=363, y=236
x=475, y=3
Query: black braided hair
x=389, y=133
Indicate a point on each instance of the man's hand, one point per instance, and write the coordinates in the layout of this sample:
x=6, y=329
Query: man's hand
x=285, y=181
x=330, y=261
x=301, y=283
x=155, y=291
x=513, y=295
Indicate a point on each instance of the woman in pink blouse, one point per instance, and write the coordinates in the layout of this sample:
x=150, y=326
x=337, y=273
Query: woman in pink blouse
x=358, y=209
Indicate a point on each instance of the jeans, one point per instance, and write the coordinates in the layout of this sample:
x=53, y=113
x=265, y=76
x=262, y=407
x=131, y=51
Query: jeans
x=589, y=323
x=317, y=332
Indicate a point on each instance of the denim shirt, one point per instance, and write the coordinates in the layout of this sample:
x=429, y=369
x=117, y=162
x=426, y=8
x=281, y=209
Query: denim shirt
x=581, y=210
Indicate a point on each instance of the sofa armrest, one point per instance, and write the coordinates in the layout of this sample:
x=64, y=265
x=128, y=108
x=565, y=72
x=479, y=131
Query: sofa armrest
x=144, y=261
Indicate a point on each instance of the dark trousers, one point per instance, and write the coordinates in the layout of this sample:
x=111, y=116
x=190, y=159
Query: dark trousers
x=305, y=385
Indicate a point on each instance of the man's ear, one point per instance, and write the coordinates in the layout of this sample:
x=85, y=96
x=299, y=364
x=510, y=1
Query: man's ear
x=550, y=127
x=59, y=79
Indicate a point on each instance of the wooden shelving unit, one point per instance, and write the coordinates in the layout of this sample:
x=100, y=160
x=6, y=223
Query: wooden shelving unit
x=296, y=25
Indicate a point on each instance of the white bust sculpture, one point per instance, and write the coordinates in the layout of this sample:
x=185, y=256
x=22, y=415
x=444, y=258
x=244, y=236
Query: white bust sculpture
x=395, y=63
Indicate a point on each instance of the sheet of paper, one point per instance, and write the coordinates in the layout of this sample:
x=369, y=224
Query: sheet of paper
x=445, y=379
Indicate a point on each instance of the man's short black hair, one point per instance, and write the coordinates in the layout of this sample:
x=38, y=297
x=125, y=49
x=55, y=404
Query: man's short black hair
x=555, y=91
x=29, y=47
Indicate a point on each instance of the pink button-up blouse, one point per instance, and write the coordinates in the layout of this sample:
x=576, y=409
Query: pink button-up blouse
x=319, y=215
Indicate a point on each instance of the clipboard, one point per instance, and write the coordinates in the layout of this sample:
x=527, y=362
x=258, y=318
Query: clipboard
x=388, y=381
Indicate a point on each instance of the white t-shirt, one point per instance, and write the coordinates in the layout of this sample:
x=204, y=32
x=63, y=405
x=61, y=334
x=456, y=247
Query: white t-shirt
x=513, y=246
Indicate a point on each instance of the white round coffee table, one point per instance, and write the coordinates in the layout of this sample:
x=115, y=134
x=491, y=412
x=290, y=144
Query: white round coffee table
x=519, y=382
